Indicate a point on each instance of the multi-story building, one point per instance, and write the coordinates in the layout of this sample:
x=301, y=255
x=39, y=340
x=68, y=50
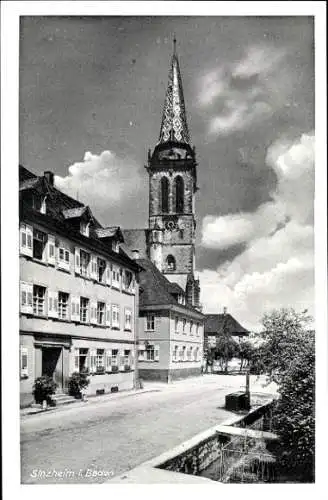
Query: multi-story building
x=78, y=293
x=171, y=332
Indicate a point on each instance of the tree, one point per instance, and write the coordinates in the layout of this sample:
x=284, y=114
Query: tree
x=226, y=348
x=246, y=352
x=288, y=357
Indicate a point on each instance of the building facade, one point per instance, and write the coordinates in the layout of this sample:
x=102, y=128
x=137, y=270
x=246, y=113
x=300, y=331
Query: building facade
x=171, y=333
x=78, y=293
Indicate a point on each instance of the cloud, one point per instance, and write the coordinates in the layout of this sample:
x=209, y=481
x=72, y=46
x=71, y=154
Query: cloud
x=101, y=181
x=276, y=267
x=240, y=94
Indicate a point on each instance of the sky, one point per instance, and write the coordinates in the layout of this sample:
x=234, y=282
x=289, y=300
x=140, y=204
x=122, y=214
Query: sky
x=91, y=96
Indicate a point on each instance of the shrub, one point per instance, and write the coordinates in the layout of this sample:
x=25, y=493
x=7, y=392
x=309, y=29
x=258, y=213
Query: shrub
x=43, y=388
x=77, y=382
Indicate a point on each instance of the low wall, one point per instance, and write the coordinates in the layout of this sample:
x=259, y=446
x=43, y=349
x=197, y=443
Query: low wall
x=197, y=454
x=166, y=375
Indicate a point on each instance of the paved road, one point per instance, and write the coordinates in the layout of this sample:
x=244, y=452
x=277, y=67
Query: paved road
x=99, y=441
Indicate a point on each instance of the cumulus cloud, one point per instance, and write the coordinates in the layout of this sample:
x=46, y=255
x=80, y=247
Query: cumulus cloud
x=101, y=181
x=277, y=266
x=241, y=93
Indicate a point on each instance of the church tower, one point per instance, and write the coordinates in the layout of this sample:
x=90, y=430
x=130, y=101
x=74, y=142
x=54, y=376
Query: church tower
x=172, y=187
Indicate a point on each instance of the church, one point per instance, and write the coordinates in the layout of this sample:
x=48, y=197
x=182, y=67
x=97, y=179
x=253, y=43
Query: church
x=171, y=325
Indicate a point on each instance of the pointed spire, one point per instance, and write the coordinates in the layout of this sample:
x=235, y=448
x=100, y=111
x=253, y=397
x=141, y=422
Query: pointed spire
x=174, y=122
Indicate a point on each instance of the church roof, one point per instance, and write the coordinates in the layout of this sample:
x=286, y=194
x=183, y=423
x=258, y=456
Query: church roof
x=217, y=324
x=174, y=122
x=156, y=289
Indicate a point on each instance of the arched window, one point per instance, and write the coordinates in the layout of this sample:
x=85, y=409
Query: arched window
x=164, y=194
x=170, y=263
x=179, y=194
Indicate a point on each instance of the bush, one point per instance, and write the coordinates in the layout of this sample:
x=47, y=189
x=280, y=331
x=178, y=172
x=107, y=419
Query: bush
x=43, y=388
x=77, y=382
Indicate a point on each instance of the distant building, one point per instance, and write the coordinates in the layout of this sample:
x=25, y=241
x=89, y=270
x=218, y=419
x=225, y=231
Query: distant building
x=219, y=324
x=171, y=332
x=78, y=293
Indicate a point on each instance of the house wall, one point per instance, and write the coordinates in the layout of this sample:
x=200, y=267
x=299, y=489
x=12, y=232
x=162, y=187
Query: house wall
x=69, y=335
x=166, y=338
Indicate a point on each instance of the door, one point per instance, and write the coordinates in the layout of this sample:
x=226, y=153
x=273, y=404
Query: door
x=52, y=361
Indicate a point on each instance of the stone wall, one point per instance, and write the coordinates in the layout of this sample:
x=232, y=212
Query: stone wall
x=165, y=375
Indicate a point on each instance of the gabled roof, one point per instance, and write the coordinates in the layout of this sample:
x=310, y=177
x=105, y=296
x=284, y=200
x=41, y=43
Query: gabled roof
x=72, y=213
x=136, y=239
x=156, y=289
x=110, y=232
x=217, y=324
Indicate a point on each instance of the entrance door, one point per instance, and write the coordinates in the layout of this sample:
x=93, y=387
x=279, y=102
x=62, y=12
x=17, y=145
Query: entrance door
x=52, y=361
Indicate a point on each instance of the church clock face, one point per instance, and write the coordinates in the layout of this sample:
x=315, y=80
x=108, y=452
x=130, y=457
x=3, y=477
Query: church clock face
x=171, y=225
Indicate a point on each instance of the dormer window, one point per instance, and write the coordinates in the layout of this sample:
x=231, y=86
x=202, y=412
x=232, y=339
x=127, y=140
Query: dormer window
x=84, y=228
x=43, y=208
x=115, y=246
x=39, y=203
x=170, y=263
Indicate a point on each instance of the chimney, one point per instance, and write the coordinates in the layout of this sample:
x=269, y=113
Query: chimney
x=135, y=254
x=49, y=177
x=224, y=311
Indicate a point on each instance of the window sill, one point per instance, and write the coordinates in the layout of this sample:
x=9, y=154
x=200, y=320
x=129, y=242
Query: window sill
x=67, y=271
x=116, y=287
x=128, y=292
x=128, y=330
x=23, y=377
x=115, y=328
x=150, y=331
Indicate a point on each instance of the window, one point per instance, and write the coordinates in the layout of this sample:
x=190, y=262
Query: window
x=81, y=360
x=150, y=322
x=100, y=360
x=127, y=357
x=116, y=277
x=179, y=194
x=23, y=362
x=26, y=239
x=197, y=329
x=39, y=244
x=115, y=316
x=63, y=257
x=170, y=263
x=175, y=353
x=100, y=313
x=84, y=263
x=39, y=294
x=84, y=228
x=63, y=305
x=101, y=270
x=164, y=194
x=191, y=327
x=115, y=246
x=183, y=353
x=84, y=310
x=150, y=353
x=127, y=280
x=128, y=319
x=184, y=325
x=176, y=324
x=196, y=354
x=114, y=357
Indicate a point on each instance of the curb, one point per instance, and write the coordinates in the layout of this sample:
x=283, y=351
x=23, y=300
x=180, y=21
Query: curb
x=93, y=400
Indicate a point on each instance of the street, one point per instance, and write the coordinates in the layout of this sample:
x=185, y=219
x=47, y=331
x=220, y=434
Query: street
x=94, y=443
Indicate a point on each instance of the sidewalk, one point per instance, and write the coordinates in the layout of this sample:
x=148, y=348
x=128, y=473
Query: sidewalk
x=26, y=412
